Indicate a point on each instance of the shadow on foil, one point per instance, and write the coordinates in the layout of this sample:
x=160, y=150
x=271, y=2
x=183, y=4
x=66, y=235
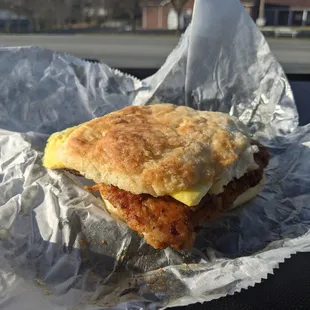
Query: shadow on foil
x=281, y=211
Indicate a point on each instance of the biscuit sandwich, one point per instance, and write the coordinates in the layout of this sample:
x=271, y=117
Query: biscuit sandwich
x=163, y=169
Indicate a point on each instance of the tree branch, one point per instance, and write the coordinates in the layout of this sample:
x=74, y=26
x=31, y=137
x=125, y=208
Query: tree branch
x=178, y=5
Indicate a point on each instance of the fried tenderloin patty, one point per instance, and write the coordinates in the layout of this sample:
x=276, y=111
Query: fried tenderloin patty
x=164, y=221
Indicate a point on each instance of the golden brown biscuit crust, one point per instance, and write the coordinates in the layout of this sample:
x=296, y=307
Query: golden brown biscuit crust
x=157, y=149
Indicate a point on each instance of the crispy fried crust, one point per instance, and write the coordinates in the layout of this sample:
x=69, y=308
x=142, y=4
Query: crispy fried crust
x=161, y=221
x=164, y=222
x=157, y=149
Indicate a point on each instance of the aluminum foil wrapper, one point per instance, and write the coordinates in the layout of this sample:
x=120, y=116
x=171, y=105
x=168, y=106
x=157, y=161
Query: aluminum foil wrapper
x=60, y=250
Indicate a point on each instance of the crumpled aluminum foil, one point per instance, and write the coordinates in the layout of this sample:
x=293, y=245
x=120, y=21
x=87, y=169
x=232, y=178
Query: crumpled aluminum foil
x=60, y=250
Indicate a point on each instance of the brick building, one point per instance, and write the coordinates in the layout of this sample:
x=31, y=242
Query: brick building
x=158, y=14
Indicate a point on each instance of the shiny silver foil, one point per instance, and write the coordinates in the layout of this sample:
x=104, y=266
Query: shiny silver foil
x=60, y=250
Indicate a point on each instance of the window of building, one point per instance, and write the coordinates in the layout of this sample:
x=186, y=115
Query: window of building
x=283, y=17
x=297, y=18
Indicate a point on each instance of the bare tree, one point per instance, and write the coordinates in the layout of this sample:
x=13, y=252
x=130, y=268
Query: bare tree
x=178, y=6
x=60, y=13
x=76, y=11
x=128, y=8
x=92, y=11
x=36, y=13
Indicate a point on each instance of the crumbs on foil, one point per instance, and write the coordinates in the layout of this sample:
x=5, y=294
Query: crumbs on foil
x=40, y=282
x=47, y=292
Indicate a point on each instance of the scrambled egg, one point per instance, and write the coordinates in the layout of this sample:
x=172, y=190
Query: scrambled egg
x=54, y=142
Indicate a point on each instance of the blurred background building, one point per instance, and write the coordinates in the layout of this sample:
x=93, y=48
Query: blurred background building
x=166, y=14
x=287, y=12
x=129, y=15
x=162, y=14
